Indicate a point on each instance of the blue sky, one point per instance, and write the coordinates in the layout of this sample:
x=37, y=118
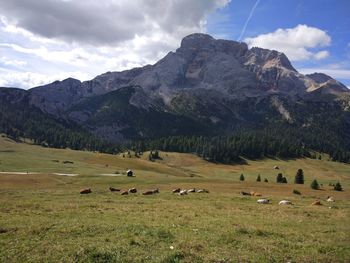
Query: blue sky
x=45, y=40
x=330, y=16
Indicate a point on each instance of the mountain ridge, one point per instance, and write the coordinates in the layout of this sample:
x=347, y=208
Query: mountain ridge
x=207, y=87
x=200, y=62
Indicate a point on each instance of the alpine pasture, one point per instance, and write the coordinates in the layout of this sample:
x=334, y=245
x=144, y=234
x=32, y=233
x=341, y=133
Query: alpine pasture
x=43, y=218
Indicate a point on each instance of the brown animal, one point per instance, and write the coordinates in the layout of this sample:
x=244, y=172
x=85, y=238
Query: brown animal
x=112, y=189
x=85, y=191
x=177, y=190
x=255, y=194
x=151, y=192
x=125, y=193
x=244, y=193
x=317, y=202
x=132, y=190
x=148, y=193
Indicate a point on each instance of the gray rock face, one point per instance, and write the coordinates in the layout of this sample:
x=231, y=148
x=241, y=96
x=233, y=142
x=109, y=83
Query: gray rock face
x=327, y=85
x=56, y=97
x=200, y=63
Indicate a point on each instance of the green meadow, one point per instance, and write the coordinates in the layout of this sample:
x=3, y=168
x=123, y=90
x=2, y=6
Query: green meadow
x=43, y=218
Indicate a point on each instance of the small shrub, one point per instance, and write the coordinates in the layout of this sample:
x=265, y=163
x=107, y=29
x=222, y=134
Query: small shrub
x=296, y=192
x=299, y=177
x=241, y=178
x=258, y=179
x=265, y=180
x=284, y=180
x=338, y=187
x=314, y=185
x=279, y=178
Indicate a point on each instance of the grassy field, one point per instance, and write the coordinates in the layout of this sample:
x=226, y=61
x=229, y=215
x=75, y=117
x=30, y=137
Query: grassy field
x=43, y=218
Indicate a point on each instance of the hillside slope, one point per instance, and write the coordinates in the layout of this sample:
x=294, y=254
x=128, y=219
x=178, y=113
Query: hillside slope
x=207, y=87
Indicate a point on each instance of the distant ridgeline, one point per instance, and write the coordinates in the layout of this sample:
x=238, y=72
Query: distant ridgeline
x=20, y=120
x=278, y=140
x=217, y=98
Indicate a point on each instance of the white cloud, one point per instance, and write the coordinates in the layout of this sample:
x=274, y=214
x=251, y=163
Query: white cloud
x=321, y=54
x=31, y=79
x=75, y=36
x=297, y=43
x=12, y=62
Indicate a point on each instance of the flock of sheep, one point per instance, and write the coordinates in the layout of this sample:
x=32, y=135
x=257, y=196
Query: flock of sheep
x=180, y=191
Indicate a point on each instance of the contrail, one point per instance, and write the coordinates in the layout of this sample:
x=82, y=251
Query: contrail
x=248, y=19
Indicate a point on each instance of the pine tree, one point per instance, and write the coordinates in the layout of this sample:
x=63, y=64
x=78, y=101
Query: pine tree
x=299, y=177
x=241, y=178
x=314, y=185
x=338, y=187
x=258, y=179
x=265, y=180
x=279, y=178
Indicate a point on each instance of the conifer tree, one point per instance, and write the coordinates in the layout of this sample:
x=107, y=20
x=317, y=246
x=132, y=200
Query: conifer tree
x=241, y=178
x=338, y=187
x=279, y=178
x=258, y=179
x=299, y=177
x=314, y=185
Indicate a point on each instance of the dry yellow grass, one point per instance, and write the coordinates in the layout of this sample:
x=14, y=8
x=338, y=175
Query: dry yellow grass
x=44, y=219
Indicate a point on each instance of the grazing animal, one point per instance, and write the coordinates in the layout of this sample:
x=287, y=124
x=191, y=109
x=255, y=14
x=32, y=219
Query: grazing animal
x=132, y=190
x=151, y=192
x=276, y=167
x=193, y=190
x=148, y=192
x=317, y=202
x=85, y=191
x=245, y=193
x=112, y=189
x=330, y=199
x=202, y=191
x=255, y=194
x=177, y=190
x=285, y=202
x=183, y=192
x=263, y=201
x=125, y=193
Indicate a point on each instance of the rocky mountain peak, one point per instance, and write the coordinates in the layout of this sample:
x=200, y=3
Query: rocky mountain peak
x=196, y=40
x=269, y=58
x=319, y=77
x=202, y=65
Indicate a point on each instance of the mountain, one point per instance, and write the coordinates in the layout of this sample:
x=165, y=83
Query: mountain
x=206, y=87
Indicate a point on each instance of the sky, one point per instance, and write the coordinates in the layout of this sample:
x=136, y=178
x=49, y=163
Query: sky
x=46, y=40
